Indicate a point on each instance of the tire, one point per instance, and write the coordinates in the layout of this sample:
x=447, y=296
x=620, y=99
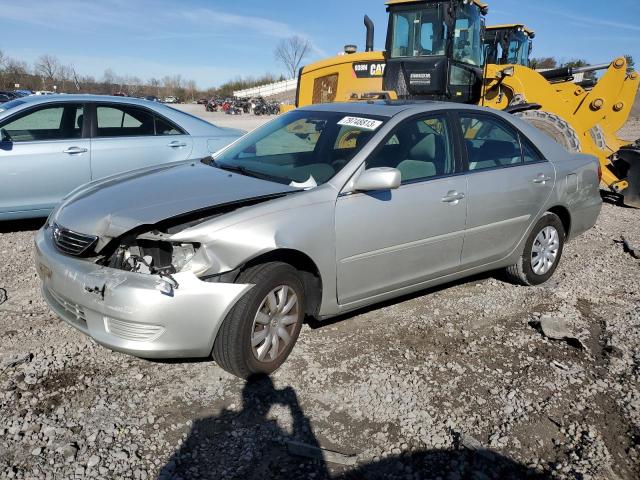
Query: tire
x=554, y=126
x=597, y=134
x=525, y=272
x=233, y=349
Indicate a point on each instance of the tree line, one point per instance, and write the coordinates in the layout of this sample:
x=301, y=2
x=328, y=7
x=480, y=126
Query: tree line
x=49, y=73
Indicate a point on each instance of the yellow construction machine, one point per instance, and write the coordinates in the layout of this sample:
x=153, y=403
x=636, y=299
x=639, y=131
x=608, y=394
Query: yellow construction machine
x=437, y=50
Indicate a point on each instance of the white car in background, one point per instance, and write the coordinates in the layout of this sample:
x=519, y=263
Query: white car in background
x=170, y=99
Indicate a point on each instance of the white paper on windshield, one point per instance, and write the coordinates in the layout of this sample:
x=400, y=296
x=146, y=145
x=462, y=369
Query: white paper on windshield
x=364, y=123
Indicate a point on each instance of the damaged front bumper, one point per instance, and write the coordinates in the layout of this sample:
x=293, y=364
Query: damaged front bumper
x=140, y=314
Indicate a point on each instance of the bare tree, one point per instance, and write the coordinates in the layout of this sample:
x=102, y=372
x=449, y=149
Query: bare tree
x=191, y=87
x=291, y=51
x=74, y=77
x=48, y=67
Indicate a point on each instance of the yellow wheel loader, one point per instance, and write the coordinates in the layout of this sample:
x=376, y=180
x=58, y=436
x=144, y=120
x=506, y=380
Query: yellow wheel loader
x=435, y=50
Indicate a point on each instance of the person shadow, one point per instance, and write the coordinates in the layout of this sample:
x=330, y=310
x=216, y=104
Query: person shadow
x=249, y=445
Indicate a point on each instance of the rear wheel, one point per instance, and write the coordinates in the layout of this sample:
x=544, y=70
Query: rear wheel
x=554, y=126
x=542, y=252
x=260, y=331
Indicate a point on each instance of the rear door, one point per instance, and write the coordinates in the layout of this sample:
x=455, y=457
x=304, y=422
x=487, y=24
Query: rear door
x=44, y=154
x=508, y=183
x=127, y=137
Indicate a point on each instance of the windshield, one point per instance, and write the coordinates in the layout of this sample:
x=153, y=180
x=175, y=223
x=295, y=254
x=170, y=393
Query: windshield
x=467, y=44
x=302, y=148
x=11, y=104
x=519, y=45
x=418, y=33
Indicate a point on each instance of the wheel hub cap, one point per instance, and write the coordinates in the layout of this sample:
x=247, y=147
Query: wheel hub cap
x=274, y=323
x=544, y=251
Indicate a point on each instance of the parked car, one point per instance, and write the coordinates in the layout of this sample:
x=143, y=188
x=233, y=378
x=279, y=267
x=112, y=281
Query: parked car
x=9, y=94
x=202, y=101
x=44, y=92
x=152, y=98
x=322, y=211
x=170, y=99
x=52, y=144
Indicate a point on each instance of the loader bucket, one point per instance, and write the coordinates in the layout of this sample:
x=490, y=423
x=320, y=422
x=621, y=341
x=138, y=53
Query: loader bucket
x=631, y=156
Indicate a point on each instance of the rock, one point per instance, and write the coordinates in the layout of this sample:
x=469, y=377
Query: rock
x=69, y=452
x=93, y=461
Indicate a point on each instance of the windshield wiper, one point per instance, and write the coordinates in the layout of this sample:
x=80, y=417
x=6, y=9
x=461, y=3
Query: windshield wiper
x=243, y=171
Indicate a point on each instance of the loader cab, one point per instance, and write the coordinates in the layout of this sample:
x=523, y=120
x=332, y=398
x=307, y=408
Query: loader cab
x=434, y=49
x=508, y=44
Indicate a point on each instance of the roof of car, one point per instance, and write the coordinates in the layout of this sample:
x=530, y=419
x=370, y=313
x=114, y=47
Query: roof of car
x=82, y=98
x=389, y=108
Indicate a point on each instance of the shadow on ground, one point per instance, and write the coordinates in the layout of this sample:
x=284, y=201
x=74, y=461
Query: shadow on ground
x=247, y=445
x=31, y=224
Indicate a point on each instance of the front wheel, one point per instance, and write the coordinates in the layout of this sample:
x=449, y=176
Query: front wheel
x=542, y=252
x=260, y=331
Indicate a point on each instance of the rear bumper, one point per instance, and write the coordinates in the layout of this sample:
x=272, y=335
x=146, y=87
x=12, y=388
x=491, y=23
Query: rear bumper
x=127, y=312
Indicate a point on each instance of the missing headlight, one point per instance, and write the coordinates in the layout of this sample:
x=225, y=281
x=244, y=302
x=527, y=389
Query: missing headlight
x=152, y=256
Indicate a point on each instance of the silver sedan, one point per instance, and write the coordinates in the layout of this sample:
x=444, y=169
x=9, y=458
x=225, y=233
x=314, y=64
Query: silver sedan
x=49, y=145
x=322, y=211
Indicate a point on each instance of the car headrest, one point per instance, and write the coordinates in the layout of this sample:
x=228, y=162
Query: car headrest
x=425, y=149
x=80, y=121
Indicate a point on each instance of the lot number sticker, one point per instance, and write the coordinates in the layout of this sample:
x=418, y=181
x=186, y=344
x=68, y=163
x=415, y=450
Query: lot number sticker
x=364, y=123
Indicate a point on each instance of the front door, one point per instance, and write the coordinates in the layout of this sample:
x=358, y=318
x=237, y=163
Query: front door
x=43, y=156
x=393, y=239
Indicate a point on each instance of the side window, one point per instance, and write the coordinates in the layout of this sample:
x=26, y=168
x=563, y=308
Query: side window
x=529, y=153
x=165, y=128
x=489, y=143
x=59, y=122
x=124, y=121
x=420, y=149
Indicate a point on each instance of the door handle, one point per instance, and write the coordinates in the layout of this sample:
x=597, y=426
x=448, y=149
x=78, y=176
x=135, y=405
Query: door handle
x=75, y=150
x=541, y=179
x=177, y=144
x=453, y=197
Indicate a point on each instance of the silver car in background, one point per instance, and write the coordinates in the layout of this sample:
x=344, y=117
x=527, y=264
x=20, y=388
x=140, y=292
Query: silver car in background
x=322, y=211
x=49, y=145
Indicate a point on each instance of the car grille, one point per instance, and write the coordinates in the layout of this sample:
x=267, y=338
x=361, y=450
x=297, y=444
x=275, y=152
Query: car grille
x=71, y=242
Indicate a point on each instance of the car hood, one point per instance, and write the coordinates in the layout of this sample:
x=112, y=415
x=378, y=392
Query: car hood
x=116, y=205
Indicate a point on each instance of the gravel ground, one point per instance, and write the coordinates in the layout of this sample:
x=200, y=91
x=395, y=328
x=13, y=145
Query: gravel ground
x=455, y=382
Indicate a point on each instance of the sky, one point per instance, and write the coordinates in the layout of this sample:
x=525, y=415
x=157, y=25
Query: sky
x=212, y=41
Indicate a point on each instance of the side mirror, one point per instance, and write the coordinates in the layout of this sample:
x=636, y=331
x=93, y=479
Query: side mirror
x=4, y=135
x=376, y=179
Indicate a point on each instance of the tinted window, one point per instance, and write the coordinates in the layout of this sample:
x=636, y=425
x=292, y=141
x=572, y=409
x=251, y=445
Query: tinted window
x=529, y=152
x=165, y=128
x=124, y=121
x=59, y=122
x=489, y=142
x=420, y=149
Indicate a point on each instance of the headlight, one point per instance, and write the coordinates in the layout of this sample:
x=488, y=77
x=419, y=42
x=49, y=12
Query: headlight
x=182, y=255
